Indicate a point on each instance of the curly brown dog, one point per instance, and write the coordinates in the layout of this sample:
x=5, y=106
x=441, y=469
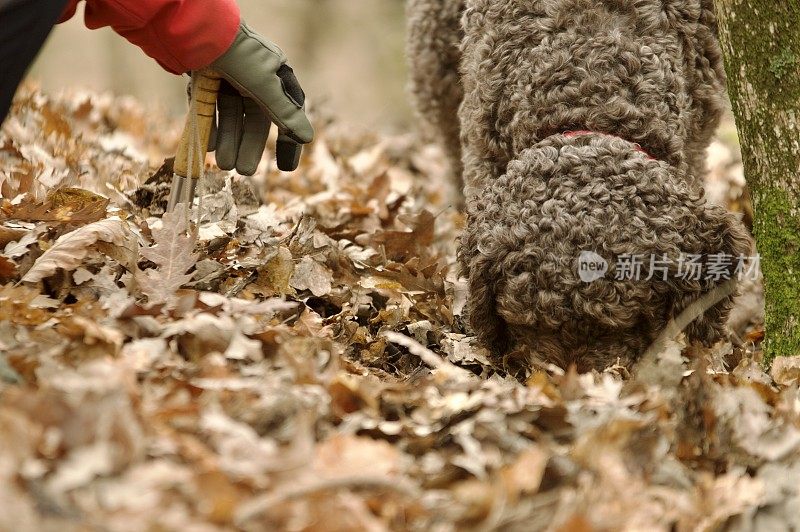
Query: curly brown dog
x=578, y=126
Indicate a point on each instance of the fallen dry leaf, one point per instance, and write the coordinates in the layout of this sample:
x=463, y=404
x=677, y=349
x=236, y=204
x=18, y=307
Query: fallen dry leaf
x=69, y=250
x=61, y=205
x=173, y=256
x=313, y=276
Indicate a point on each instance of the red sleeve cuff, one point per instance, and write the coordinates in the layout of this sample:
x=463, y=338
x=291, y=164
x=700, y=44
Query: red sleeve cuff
x=181, y=35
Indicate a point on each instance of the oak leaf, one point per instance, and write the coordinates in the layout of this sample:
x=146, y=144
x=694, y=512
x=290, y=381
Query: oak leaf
x=173, y=256
x=62, y=205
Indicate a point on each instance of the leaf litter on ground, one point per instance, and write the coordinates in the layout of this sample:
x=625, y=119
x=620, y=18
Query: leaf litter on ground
x=299, y=359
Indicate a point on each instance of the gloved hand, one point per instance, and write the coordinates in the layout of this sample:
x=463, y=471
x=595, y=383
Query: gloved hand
x=258, y=88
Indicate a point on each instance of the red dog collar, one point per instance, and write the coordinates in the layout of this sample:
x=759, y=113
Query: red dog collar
x=581, y=133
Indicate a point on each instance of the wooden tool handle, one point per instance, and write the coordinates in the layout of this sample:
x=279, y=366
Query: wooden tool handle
x=206, y=85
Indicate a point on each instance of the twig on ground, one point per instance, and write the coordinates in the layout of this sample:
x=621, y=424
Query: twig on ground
x=262, y=504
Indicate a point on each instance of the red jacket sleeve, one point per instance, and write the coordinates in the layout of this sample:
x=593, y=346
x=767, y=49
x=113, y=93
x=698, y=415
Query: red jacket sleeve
x=181, y=35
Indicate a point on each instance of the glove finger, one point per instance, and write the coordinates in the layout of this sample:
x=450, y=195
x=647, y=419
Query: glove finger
x=299, y=128
x=287, y=153
x=230, y=107
x=256, y=131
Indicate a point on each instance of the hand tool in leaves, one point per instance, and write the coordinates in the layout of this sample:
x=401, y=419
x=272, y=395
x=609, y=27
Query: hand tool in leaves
x=257, y=89
x=190, y=157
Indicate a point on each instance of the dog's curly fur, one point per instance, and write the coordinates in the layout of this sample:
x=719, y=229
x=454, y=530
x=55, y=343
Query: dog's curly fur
x=501, y=81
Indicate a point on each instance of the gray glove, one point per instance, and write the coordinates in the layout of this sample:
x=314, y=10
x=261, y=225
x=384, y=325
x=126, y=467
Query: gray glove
x=258, y=88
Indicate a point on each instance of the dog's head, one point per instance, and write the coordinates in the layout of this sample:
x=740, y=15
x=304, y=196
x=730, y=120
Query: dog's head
x=558, y=252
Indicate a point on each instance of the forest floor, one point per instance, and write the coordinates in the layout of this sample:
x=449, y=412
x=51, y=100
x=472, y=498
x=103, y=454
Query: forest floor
x=301, y=363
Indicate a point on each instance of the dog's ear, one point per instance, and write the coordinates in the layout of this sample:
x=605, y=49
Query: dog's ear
x=481, y=269
x=728, y=248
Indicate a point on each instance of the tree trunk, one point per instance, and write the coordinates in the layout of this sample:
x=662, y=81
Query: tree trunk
x=761, y=44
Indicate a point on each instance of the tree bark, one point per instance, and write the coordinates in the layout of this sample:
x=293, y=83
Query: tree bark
x=761, y=44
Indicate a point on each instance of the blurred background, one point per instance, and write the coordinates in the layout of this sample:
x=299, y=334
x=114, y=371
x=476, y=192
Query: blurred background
x=348, y=55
